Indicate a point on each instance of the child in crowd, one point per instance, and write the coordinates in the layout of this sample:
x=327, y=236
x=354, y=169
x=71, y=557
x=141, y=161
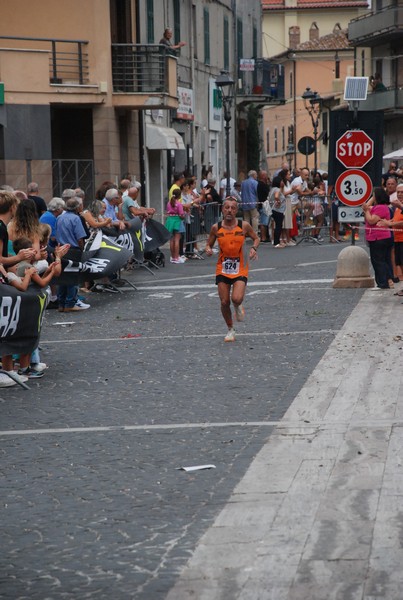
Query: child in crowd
x=174, y=224
x=21, y=276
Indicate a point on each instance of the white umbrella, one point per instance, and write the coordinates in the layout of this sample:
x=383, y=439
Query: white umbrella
x=395, y=155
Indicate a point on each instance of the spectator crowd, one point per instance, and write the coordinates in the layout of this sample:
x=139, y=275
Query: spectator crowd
x=35, y=236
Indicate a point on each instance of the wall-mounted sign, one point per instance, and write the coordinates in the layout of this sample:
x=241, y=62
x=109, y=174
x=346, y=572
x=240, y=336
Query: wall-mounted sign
x=215, y=107
x=185, y=109
x=246, y=64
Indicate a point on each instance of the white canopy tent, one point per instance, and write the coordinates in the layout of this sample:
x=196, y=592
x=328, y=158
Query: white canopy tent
x=395, y=155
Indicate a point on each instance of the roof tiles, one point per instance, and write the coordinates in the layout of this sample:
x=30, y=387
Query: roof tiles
x=337, y=40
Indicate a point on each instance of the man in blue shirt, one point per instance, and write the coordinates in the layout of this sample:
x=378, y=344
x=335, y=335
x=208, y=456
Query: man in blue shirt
x=55, y=208
x=71, y=231
x=112, y=200
x=249, y=200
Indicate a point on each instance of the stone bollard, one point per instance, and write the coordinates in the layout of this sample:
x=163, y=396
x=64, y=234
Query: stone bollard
x=353, y=269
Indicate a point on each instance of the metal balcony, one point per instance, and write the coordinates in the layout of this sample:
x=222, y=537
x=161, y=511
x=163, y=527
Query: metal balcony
x=263, y=85
x=390, y=100
x=68, y=59
x=380, y=27
x=144, y=75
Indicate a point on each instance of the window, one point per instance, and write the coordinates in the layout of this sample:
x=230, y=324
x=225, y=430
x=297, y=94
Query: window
x=283, y=138
x=291, y=135
x=150, y=21
x=324, y=127
x=267, y=141
x=363, y=63
x=291, y=84
x=254, y=42
x=206, y=24
x=194, y=17
x=254, y=50
x=177, y=22
x=226, y=43
x=275, y=140
x=239, y=38
x=337, y=66
x=239, y=45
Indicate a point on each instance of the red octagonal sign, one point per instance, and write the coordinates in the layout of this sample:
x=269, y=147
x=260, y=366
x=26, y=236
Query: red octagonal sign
x=354, y=149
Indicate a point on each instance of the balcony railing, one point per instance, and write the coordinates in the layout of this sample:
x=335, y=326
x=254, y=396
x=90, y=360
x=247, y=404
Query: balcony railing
x=389, y=100
x=266, y=80
x=140, y=68
x=377, y=27
x=68, y=59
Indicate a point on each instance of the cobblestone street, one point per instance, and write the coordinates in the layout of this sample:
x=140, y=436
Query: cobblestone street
x=93, y=502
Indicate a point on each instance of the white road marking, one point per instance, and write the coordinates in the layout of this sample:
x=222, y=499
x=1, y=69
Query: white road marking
x=282, y=424
x=192, y=336
x=208, y=276
x=200, y=286
x=322, y=262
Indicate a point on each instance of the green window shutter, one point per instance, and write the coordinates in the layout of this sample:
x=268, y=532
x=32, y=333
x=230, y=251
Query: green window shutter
x=206, y=23
x=150, y=21
x=226, y=43
x=177, y=22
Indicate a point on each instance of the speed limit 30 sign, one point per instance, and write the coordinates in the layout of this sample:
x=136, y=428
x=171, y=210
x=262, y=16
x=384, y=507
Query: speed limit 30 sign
x=353, y=187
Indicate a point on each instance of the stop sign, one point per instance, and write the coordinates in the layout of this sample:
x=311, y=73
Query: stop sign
x=354, y=149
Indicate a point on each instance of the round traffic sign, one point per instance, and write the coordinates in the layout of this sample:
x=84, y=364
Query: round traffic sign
x=354, y=149
x=306, y=145
x=353, y=187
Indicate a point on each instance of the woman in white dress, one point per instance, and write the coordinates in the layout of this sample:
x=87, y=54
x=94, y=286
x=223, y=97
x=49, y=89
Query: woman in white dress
x=287, y=224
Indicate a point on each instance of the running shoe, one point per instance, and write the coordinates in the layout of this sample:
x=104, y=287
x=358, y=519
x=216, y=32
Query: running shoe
x=230, y=337
x=40, y=366
x=82, y=304
x=75, y=308
x=18, y=377
x=178, y=261
x=279, y=246
x=29, y=373
x=239, y=312
x=6, y=381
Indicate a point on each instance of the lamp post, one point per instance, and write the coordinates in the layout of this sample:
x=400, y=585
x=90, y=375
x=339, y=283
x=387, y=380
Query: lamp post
x=313, y=104
x=289, y=154
x=225, y=84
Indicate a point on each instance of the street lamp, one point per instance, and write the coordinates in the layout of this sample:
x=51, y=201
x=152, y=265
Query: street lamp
x=289, y=154
x=313, y=104
x=225, y=84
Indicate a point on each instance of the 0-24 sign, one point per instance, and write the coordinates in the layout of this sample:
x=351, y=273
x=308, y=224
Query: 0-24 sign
x=353, y=187
x=348, y=214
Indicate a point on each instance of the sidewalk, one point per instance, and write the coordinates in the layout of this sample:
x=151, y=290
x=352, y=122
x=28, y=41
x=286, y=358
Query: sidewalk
x=319, y=513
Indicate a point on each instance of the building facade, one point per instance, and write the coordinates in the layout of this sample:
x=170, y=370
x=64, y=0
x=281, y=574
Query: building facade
x=309, y=40
x=381, y=30
x=92, y=94
x=65, y=119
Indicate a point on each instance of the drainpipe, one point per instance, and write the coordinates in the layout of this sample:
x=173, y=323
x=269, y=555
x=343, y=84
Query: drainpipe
x=235, y=78
x=192, y=85
x=140, y=121
x=294, y=93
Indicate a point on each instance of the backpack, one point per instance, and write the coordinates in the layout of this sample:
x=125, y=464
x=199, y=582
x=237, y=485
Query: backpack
x=155, y=257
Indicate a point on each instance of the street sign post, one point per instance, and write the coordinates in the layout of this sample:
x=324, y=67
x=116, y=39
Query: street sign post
x=348, y=214
x=306, y=145
x=353, y=187
x=354, y=149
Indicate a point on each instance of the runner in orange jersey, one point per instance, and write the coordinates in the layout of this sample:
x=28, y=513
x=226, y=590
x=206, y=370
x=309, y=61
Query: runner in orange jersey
x=232, y=268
